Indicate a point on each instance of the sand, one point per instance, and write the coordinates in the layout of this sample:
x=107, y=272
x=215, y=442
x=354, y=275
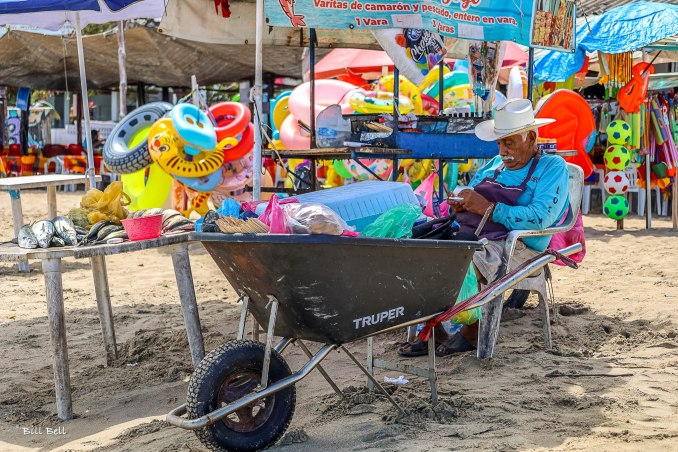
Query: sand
x=611, y=382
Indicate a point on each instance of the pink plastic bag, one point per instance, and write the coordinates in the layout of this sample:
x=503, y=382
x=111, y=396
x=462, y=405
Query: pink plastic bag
x=274, y=217
x=427, y=190
x=565, y=239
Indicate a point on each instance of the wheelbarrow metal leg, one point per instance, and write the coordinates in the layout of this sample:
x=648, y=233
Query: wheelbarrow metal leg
x=370, y=362
x=243, y=315
x=269, y=341
x=373, y=380
x=320, y=369
x=282, y=345
x=432, y=377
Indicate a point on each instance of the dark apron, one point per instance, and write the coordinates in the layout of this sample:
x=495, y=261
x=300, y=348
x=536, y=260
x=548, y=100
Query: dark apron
x=497, y=192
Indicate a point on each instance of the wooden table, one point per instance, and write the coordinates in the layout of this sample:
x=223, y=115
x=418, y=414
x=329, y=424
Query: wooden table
x=51, y=182
x=51, y=268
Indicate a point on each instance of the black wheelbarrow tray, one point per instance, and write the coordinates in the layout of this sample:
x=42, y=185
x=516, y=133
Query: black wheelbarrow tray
x=327, y=289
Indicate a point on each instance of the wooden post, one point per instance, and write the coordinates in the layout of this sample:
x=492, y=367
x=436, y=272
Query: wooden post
x=674, y=203
x=51, y=269
x=78, y=121
x=18, y=221
x=122, y=57
x=255, y=329
x=103, y=295
x=189, y=305
x=51, y=201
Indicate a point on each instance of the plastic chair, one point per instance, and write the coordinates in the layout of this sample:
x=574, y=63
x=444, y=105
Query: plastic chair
x=586, y=199
x=632, y=174
x=539, y=284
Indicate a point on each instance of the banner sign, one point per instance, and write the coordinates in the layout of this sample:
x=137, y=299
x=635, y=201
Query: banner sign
x=484, y=20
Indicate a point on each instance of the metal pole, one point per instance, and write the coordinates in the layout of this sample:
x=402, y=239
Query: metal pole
x=256, y=95
x=122, y=57
x=530, y=72
x=311, y=54
x=441, y=84
x=85, y=100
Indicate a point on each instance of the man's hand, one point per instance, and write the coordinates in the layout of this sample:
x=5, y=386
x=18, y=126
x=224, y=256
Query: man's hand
x=473, y=202
x=455, y=206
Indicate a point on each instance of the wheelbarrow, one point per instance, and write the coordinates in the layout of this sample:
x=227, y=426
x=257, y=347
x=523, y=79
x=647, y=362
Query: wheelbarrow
x=327, y=289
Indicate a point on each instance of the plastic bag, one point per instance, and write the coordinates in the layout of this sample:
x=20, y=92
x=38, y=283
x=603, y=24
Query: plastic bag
x=468, y=289
x=229, y=208
x=274, y=217
x=571, y=237
x=426, y=190
x=106, y=205
x=314, y=218
x=395, y=223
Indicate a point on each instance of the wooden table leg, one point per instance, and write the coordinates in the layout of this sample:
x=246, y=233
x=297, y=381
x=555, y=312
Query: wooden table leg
x=189, y=305
x=51, y=201
x=104, y=305
x=18, y=221
x=51, y=269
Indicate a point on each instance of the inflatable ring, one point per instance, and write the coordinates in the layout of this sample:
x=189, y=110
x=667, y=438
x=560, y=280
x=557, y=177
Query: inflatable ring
x=327, y=92
x=380, y=167
x=450, y=81
x=244, y=145
x=407, y=88
x=235, y=175
x=168, y=150
x=291, y=137
x=231, y=118
x=204, y=183
x=432, y=77
x=279, y=113
x=377, y=102
x=120, y=155
x=194, y=128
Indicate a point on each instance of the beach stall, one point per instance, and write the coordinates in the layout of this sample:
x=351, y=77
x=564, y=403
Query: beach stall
x=645, y=117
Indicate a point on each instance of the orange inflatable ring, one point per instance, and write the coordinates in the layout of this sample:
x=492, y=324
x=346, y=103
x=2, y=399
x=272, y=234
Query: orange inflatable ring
x=244, y=145
x=231, y=117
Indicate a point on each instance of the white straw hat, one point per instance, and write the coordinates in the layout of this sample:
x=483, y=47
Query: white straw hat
x=512, y=117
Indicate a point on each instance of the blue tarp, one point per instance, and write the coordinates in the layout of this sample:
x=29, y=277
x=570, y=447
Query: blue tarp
x=623, y=29
x=34, y=6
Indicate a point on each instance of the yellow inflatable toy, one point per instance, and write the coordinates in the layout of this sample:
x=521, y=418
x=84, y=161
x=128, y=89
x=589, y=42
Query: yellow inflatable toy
x=407, y=88
x=377, y=102
x=280, y=112
x=146, y=193
x=167, y=150
x=432, y=77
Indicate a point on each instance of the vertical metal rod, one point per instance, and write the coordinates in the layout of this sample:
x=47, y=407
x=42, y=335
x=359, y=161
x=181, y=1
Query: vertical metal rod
x=530, y=72
x=396, y=92
x=441, y=183
x=256, y=95
x=648, y=196
x=411, y=332
x=122, y=57
x=433, y=378
x=373, y=380
x=269, y=342
x=329, y=380
x=441, y=84
x=370, y=363
x=85, y=100
x=311, y=51
x=243, y=316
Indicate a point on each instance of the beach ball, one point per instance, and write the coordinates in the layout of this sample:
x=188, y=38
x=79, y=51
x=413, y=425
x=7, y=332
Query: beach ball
x=618, y=132
x=616, y=182
x=616, y=157
x=616, y=207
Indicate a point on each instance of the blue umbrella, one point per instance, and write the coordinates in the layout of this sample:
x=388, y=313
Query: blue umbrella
x=54, y=14
x=623, y=29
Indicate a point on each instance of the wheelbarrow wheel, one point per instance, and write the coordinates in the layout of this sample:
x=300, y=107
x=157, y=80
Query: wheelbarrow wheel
x=228, y=373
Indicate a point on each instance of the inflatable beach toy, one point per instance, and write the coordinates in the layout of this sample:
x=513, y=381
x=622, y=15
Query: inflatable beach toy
x=616, y=182
x=232, y=118
x=280, y=110
x=616, y=207
x=168, y=150
x=327, y=92
x=202, y=184
x=244, y=143
x=235, y=175
x=194, y=128
x=406, y=88
x=292, y=136
x=377, y=102
x=126, y=149
x=616, y=157
x=618, y=132
x=380, y=167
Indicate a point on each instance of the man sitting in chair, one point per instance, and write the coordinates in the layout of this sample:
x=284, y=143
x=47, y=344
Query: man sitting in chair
x=521, y=188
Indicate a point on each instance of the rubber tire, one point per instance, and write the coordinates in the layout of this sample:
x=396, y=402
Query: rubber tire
x=206, y=381
x=137, y=158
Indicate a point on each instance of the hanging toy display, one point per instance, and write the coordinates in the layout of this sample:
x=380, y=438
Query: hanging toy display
x=616, y=182
x=485, y=60
x=616, y=157
x=616, y=207
x=618, y=132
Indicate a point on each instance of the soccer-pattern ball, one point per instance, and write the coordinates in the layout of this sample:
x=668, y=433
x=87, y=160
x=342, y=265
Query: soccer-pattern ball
x=616, y=182
x=616, y=157
x=616, y=207
x=618, y=132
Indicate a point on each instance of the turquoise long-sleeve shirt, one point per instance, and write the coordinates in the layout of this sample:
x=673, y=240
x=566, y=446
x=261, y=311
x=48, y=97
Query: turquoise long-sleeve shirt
x=542, y=205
